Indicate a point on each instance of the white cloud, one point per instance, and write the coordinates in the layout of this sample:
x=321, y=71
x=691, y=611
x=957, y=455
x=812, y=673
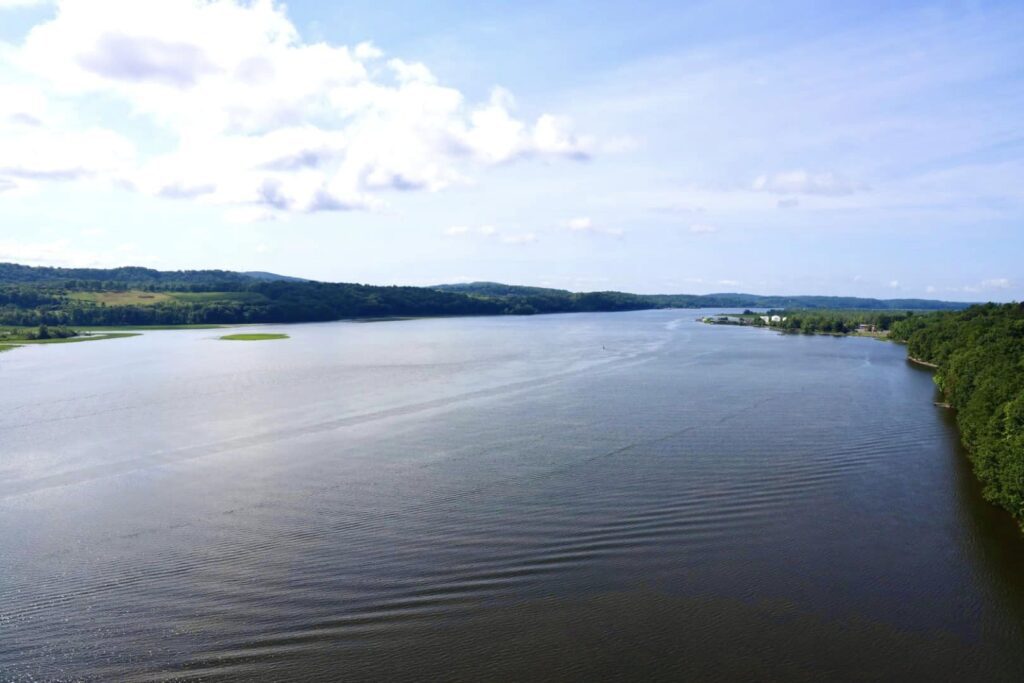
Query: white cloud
x=489, y=233
x=729, y=283
x=703, y=228
x=803, y=182
x=522, y=238
x=930, y=289
x=58, y=252
x=985, y=285
x=894, y=284
x=579, y=224
x=10, y=4
x=40, y=154
x=584, y=225
x=258, y=118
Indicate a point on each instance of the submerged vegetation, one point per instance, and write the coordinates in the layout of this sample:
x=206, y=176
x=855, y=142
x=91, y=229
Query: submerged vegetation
x=253, y=337
x=979, y=359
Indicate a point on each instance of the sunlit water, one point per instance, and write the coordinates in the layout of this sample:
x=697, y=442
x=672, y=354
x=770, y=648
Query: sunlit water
x=630, y=495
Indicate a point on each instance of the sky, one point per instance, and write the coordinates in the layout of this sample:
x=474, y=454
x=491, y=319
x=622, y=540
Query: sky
x=792, y=147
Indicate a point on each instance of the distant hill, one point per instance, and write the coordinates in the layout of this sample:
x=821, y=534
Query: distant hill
x=13, y=273
x=723, y=300
x=143, y=296
x=271, y=277
x=497, y=289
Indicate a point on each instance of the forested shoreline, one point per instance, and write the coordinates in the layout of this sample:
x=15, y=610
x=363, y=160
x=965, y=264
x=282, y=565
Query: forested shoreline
x=31, y=296
x=979, y=359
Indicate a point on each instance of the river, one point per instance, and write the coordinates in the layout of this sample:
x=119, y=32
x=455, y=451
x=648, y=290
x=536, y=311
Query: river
x=561, y=497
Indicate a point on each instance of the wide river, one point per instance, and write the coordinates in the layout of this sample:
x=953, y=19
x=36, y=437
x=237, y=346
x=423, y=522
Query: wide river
x=565, y=497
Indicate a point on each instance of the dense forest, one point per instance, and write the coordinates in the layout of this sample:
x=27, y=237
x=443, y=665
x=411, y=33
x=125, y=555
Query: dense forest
x=980, y=357
x=561, y=297
x=31, y=296
x=837, y=321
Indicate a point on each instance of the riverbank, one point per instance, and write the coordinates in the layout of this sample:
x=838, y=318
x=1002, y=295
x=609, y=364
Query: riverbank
x=13, y=343
x=975, y=357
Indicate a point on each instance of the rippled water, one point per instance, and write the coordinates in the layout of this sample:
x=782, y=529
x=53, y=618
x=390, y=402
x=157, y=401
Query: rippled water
x=557, y=497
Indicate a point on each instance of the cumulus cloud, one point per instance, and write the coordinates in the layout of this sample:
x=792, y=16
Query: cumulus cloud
x=10, y=4
x=990, y=284
x=257, y=117
x=64, y=253
x=585, y=225
x=489, y=232
x=803, y=182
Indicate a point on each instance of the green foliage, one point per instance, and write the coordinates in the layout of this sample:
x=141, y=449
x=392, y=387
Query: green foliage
x=560, y=300
x=253, y=337
x=42, y=333
x=838, y=321
x=142, y=297
x=980, y=357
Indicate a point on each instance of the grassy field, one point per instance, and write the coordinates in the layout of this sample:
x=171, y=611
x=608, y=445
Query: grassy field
x=253, y=337
x=130, y=297
x=204, y=297
x=138, y=297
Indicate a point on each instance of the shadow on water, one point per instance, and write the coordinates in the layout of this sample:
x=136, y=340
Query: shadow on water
x=991, y=538
x=998, y=542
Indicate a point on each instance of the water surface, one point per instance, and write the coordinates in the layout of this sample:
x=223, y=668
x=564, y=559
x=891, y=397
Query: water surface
x=546, y=498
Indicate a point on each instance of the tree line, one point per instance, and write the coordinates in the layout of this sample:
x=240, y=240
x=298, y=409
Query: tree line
x=980, y=357
x=32, y=296
x=835, y=321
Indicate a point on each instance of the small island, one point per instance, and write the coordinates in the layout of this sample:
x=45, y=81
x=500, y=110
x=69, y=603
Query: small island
x=12, y=338
x=253, y=337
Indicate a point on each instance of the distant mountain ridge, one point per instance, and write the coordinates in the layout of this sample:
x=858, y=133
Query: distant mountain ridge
x=142, y=296
x=724, y=299
x=273, y=277
x=14, y=273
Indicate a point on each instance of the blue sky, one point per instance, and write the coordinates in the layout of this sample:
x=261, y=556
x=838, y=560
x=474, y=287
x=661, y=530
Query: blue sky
x=872, y=149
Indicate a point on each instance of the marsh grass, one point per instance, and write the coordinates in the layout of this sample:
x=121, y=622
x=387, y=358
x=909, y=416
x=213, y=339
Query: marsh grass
x=253, y=337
